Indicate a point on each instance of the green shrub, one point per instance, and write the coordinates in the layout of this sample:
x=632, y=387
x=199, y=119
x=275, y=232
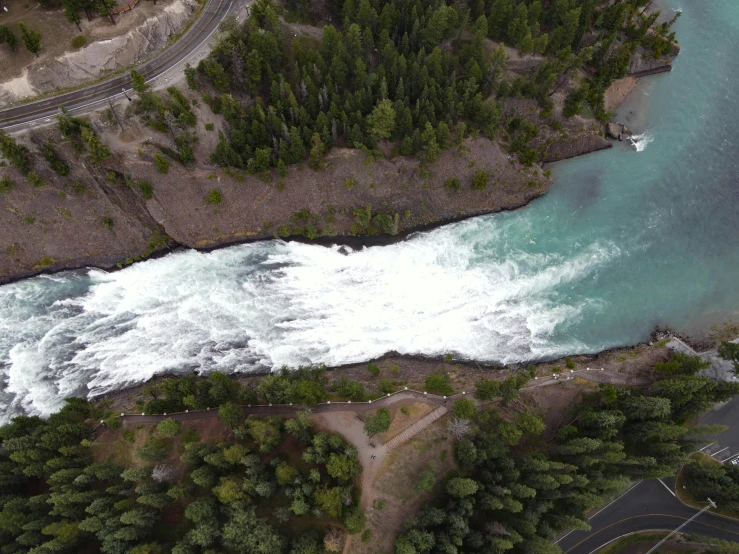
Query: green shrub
x=439, y=383
x=214, y=196
x=452, y=184
x=464, y=409
x=129, y=435
x=373, y=369
x=35, y=181
x=46, y=261
x=190, y=435
x=377, y=423
x=208, y=126
x=155, y=449
x=350, y=183
x=5, y=185
x=569, y=363
x=426, y=481
x=480, y=180
x=366, y=535
x=108, y=223
x=354, y=521
x=79, y=41
x=404, y=410
x=231, y=414
x=162, y=163
x=351, y=390
x=147, y=191
x=169, y=426
x=385, y=386
x=114, y=422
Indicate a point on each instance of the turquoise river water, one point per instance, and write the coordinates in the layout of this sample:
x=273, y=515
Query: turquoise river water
x=625, y=241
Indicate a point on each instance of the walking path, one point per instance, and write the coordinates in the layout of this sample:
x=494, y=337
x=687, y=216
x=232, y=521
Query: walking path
x=591, y=374
x=416, y=428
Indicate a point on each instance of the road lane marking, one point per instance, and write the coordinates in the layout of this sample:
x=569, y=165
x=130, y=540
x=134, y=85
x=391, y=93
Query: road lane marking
x=604, y=507
x=702, y=449
x=729, y=458
x=648, y=515
x=165, y=62
x=626, y=535
x=668, y=488
x=719, y=452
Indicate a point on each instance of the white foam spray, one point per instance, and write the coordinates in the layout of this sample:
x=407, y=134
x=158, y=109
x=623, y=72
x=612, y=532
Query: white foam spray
x=271, y=304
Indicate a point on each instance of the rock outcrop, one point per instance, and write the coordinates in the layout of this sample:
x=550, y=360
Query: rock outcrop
x=618, y=131
x=642, y=64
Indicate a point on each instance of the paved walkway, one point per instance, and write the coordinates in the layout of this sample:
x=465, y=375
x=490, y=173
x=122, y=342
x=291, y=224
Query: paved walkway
x=591, y=374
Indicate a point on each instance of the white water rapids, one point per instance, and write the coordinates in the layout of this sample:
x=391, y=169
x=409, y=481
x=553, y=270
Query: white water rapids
x=271, y=304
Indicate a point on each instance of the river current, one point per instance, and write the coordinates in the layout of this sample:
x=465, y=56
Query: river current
x=624, y=241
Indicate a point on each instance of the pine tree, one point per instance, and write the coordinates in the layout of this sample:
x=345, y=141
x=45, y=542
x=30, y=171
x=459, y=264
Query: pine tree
x=98, y=150
x=8, y=36
x=31, y=38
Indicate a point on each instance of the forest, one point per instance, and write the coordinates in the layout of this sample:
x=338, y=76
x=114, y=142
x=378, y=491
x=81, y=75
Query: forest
x=419, y=74
x=277, y=485
x=516, y=492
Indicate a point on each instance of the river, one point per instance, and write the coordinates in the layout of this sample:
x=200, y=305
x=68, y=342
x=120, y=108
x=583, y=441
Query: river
x=624, y=241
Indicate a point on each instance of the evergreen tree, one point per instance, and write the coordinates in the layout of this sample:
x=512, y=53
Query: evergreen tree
x=31, y=38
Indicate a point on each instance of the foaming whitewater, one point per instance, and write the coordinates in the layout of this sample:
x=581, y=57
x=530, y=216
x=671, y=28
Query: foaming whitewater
x=268, y=305
x=641, y=141
x=621, y=244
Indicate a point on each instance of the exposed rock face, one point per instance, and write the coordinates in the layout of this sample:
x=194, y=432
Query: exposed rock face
x=618, y=131
x=60, y=226
x=576, y=146
x=642, y=64
x=106, y=55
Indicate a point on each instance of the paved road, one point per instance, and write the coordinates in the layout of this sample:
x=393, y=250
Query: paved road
x=94, y=96
x=724, y=447
x=649, y=505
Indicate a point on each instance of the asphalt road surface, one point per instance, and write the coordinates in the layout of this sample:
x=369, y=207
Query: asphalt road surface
x=650, y=505
x=96, y=95
x=724, y=447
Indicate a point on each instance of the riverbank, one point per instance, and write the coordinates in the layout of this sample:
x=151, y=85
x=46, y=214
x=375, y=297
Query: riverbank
x=97, y=217
x=632, y=364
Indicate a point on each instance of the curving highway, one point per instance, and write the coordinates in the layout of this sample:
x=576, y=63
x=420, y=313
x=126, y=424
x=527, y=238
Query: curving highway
x=647, y=506
x=94, y=96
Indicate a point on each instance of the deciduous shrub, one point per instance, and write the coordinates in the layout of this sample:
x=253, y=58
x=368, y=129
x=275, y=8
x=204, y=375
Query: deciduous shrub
x=79, y=41
x=452, y=184
x=377, y=423
x=162, y=163
x=169, y=426
x=439, y=383
x=214, y=196
x=480, y=180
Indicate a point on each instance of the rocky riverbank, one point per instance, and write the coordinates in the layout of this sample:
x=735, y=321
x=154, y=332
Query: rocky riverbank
x=98, y=216
x=630, y=363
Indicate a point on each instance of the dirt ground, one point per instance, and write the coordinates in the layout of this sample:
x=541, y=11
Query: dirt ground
x=618, y=91
x=57, y=32
x=111, y=446
x=390, y=499
x=403, y=417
